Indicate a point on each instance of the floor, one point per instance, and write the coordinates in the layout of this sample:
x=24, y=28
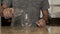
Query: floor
x=42, y=30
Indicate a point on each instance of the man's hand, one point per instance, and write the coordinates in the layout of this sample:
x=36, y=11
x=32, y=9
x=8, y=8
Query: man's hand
x=41, y=23
x=8, y=12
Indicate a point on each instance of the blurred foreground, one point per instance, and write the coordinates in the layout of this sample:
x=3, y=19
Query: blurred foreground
x=14, y=30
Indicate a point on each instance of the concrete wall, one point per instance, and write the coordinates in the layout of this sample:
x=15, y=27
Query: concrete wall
x=54, y=8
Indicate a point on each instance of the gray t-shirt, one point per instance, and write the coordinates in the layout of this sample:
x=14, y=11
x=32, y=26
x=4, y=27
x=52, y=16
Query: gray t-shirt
x=27, y=11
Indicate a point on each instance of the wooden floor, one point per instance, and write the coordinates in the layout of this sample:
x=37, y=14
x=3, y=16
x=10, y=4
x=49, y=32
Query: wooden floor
x=48, y=30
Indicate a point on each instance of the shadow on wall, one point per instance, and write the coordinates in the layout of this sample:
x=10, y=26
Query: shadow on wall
x=55, y=21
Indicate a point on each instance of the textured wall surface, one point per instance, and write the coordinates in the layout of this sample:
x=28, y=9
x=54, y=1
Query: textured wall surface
x=54, y=8
x=0, y=6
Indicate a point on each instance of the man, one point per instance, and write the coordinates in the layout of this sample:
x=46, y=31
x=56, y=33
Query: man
x=27, y=12
x=4, y=14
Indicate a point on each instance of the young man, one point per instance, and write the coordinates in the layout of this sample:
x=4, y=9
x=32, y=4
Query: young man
x=27, y=12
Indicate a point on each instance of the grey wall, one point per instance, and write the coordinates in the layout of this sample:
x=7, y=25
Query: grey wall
x=0, y=18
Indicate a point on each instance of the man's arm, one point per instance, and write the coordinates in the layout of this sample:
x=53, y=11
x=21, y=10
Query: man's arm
x=5, y=5
x=45, y=15
x=44, y=8
x=44, y=19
